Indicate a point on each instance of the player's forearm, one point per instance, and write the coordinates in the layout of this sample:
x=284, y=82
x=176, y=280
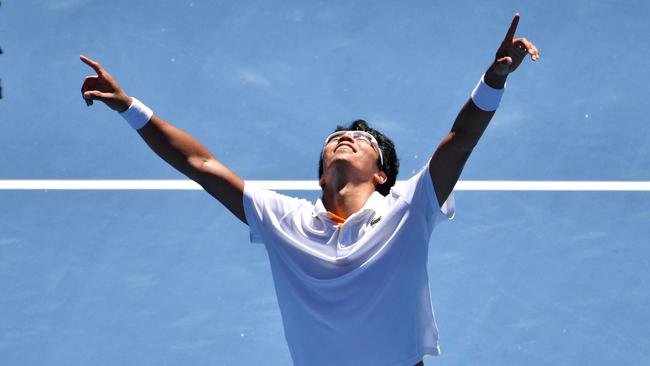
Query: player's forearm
x=176, y=147
x=472, y=121
x=469, y=126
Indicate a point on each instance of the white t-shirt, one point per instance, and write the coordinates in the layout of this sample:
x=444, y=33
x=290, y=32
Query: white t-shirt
x=359, y=294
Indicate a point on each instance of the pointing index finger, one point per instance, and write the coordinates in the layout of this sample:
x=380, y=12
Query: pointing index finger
x=96, y=66
x=513, y=27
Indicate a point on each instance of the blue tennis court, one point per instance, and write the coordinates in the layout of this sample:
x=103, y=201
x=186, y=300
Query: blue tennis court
x=169, y=277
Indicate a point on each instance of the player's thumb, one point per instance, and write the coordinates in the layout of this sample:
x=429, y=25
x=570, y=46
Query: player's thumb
x=505, y=60
x=89, y=96
x=97, y=95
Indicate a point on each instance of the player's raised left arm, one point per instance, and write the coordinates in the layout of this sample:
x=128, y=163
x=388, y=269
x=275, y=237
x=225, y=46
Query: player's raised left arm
x=449, y=158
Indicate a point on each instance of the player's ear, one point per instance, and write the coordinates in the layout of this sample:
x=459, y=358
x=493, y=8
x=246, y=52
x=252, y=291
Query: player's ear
x=380, y=178
x=321, y=181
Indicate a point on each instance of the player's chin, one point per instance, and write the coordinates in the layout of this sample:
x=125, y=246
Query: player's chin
x=339, y=160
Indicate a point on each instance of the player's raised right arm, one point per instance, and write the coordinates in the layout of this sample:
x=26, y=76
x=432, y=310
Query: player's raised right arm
x=175, y=146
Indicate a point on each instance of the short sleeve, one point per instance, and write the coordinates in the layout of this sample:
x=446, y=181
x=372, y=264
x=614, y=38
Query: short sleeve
x=418, y=191
x=263, y=208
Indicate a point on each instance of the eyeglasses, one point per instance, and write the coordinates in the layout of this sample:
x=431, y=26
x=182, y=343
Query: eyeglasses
x=362, y=136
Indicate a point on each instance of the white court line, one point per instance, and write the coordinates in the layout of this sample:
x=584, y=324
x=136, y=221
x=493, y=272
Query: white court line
x=312, y=185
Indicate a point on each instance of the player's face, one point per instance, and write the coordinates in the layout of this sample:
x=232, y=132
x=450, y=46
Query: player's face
x=358, y=147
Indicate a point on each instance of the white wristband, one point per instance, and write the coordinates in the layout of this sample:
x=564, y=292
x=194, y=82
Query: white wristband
x=137, y=114
x=486, y=97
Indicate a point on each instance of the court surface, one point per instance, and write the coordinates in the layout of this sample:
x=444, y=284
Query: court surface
x=168, y=277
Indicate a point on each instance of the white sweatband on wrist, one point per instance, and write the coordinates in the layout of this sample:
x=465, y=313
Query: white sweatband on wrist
x=486, y=97
x=137, y=114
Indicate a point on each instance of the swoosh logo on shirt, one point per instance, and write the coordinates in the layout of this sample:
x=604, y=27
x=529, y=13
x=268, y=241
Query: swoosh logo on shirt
x=374, y=221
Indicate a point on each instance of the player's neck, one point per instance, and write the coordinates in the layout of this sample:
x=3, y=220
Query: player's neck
x=348, y=198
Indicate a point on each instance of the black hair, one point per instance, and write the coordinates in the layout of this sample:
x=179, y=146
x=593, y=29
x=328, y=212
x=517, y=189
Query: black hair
x=391, y=162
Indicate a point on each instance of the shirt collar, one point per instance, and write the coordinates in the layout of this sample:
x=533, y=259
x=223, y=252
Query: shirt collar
x=370, y=207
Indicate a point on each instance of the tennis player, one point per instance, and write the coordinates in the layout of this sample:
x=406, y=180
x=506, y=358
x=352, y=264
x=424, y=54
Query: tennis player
x=350, y=269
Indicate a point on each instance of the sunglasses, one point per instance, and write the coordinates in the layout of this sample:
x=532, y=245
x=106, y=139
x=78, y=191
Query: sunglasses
x=362, y=136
